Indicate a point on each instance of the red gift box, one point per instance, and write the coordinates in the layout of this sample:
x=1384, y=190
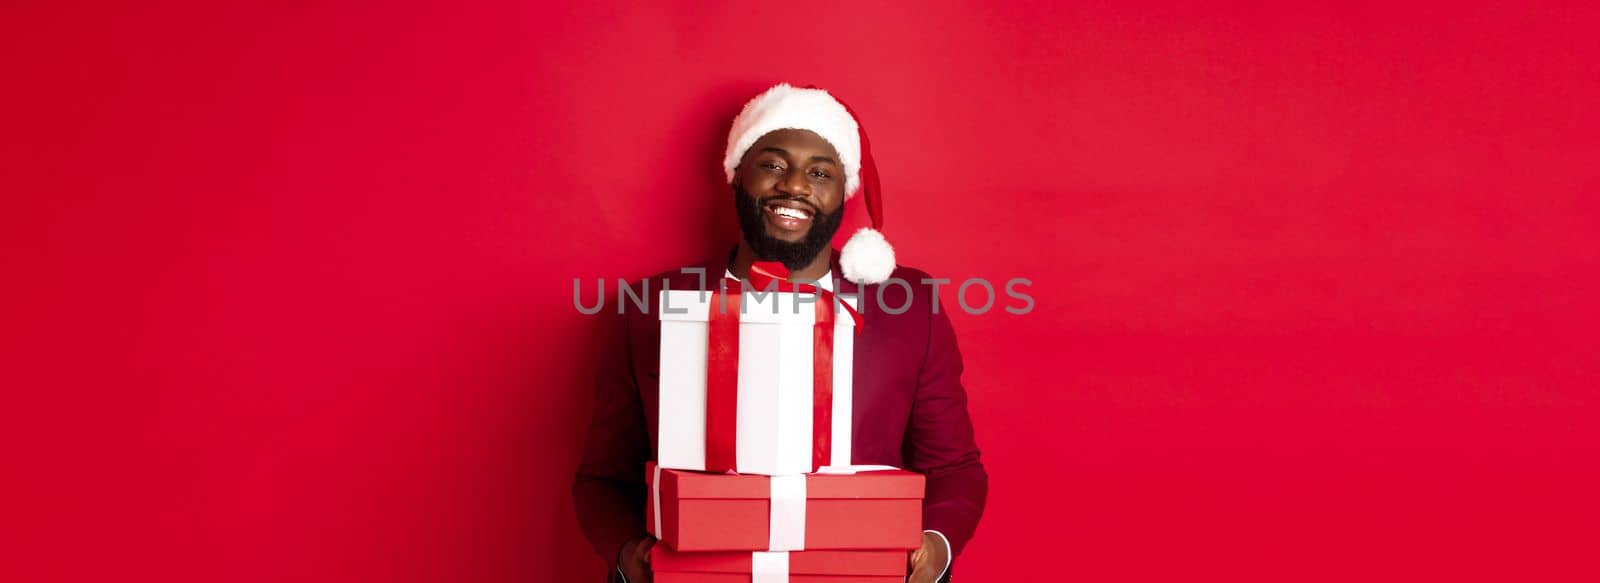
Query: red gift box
x=740, y=512
x=791, y=567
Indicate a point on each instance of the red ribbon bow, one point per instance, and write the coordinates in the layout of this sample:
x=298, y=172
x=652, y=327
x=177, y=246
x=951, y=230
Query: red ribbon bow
x=722, y=366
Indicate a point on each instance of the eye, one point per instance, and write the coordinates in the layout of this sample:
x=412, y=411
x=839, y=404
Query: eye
x=820, y=174
x=772, y=166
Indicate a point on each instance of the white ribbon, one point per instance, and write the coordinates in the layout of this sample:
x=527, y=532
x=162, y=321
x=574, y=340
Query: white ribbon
x=769, y=567
x=786, y=525
x=655, y=500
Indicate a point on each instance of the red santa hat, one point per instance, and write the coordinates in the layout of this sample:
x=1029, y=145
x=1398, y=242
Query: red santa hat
x=867, y=257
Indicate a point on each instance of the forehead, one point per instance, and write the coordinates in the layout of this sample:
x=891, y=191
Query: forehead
x=799, y=143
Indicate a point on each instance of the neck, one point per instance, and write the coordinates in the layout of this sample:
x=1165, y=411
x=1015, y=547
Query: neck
x=812, y=271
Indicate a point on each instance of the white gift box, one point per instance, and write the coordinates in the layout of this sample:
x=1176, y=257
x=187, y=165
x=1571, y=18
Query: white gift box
x=776, y=344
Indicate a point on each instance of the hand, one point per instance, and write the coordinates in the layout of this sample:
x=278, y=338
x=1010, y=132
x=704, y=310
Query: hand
x=929, y=562
x=635, y=560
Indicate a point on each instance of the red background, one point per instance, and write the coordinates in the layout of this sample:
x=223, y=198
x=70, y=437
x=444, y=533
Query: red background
x=288, y=287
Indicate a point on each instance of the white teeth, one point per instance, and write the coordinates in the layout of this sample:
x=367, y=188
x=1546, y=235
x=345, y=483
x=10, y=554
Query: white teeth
x=784, y=211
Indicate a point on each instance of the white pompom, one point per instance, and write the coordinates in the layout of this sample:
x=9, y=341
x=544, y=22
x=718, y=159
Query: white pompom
x=867, y=257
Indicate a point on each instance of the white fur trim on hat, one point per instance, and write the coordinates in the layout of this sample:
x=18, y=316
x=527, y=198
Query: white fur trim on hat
x=787, y=107
x=867, y=257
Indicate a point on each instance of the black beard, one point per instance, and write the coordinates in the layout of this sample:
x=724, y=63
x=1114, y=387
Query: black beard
x=768, y=248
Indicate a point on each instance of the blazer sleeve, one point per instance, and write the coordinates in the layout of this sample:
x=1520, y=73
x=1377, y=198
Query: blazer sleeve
x=940, y=442
x=609, y=491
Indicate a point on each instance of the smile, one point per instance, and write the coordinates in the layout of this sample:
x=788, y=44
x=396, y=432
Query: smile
x=787, y=216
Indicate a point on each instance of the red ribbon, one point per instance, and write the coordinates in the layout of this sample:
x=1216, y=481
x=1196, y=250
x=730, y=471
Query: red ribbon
x=722, y=382
x=722, y=366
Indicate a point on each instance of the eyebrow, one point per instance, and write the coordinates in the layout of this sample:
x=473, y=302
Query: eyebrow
x=817, y=158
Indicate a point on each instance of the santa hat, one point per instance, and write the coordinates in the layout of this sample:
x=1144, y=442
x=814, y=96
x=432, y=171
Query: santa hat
x=867, y=257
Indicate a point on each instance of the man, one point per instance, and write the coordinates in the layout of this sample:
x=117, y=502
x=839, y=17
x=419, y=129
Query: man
x=794, y=156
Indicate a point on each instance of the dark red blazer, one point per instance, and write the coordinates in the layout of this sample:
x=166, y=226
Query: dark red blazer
x=910, y=409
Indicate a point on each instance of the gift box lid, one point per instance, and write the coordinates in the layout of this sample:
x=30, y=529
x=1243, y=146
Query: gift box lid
x=874, y=484
x=863, y=563
x=756, y=308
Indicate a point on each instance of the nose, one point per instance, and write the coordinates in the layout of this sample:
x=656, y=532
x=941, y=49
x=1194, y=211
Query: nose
x=795, y=184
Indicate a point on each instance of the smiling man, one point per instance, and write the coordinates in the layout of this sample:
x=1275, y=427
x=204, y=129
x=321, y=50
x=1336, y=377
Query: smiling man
x=794, y=157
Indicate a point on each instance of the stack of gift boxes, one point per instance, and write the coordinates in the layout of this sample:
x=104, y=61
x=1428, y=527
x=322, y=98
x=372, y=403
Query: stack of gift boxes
x=753, y=480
